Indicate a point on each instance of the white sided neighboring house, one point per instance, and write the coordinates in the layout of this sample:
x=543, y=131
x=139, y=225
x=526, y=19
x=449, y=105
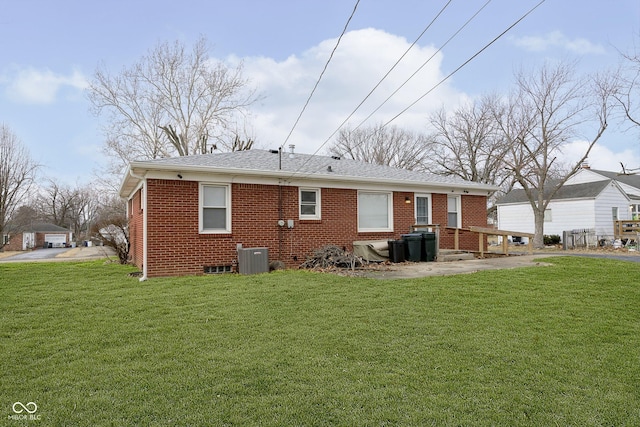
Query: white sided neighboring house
x=590, y=199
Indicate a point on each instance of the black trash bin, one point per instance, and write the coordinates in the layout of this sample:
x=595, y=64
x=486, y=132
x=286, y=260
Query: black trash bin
x=413, y=246
x=396, y=250
x=428, y=246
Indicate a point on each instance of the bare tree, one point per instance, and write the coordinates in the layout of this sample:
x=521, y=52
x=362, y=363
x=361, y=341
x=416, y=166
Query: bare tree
x=17, y=175
x=467, y=143
x=170, y=103
x=382, y=145
x=627, y=95
x=628, y=87
x=72, y=207
x=111, y=227
x=546, y=111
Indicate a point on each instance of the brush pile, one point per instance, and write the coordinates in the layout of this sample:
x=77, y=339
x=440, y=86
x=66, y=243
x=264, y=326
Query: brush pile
x=330, y=257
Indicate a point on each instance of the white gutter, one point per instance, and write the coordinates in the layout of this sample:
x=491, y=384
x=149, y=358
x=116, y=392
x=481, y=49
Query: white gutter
x=143, y=200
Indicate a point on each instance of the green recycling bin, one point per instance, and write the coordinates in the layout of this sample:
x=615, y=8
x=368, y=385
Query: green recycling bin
x=428, y=246
x=413, y=246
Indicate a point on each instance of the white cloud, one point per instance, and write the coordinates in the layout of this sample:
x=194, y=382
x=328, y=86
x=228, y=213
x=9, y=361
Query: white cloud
x=362, y=58
x=601, y=157
x=33, y=86
x=557, y=39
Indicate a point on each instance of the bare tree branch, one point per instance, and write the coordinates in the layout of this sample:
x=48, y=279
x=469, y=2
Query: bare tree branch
x=17, y=176
x=546, y=112
x=389, y=145
x=169, y=103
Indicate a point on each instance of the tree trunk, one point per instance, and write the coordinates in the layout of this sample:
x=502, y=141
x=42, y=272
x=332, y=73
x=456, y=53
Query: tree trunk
x=538, y=238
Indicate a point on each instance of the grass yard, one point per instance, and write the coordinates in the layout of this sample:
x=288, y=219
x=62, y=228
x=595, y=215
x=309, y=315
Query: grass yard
x=541, y=346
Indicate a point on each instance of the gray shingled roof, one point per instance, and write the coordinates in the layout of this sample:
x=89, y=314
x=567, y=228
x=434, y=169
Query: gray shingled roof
x=300, y=166
x=587, y=190
x=632, y=180
x=40, y=227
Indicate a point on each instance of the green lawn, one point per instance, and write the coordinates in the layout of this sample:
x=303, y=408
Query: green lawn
x=542, y=346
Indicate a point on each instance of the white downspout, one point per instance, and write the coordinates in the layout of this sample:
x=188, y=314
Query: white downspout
x=143, y=200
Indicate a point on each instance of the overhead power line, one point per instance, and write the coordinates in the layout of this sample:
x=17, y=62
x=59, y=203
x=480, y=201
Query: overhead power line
x=407, y=80
x=441, y=81
x=383, y=77
x=454, y=35
x=464, y=63
x=389, y=72
x=326, y=65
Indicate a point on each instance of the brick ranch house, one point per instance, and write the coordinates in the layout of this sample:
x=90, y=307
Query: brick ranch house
x=189, y=215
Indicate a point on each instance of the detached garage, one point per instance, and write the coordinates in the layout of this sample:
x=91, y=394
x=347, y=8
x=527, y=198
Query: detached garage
x=39, y=235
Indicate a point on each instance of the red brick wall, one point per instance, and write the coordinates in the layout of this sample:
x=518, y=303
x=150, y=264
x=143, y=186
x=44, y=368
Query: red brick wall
x=175, y=246
x=474, y=212
x=15, y=242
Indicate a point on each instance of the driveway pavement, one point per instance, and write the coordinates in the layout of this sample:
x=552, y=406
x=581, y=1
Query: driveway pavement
x=58, y=254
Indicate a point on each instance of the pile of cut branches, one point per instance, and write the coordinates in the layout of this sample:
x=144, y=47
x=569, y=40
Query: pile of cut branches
x=331, y=256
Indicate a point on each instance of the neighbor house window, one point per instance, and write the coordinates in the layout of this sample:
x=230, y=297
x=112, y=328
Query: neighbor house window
x=214, y=209
x=547, y=215
x=423, y=209
x=5, y=239
x=453, y=212
x=375, y=211
x=309, y=203
x=614, y=213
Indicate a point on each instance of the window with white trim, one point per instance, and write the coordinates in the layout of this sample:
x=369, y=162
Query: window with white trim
x=454, y=219
x=309, y=203
x=423, y=208
x=547, y=216
x=215, y=215
x=375, y=211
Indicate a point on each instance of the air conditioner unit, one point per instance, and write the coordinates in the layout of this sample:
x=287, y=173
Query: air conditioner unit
x=253, y=260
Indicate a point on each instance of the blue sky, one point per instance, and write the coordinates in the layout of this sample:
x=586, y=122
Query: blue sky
x=49, y=50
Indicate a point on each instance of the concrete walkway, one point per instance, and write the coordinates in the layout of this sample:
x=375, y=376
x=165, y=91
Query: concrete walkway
x=410, y=270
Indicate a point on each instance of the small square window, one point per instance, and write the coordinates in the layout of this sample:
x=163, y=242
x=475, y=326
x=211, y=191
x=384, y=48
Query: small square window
x=309, y=203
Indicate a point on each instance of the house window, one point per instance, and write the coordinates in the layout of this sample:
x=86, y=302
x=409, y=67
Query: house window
x=309, y=203
x=5, y=239
x=635, y=212
x=375, y=211
x=423, y=209
x=453, y=212
x=614, y=213
x=547, y=215
x=214, y=209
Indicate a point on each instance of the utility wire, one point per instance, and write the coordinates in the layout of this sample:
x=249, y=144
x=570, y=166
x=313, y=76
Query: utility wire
x=389, y=72
x=383, y=78
x=464, y=63
x=441, y=81
x=423, y=65
x=344, y=30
